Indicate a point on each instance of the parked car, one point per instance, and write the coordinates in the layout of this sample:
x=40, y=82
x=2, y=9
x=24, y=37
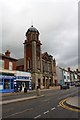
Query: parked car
x=64, y=86
x=77, y=83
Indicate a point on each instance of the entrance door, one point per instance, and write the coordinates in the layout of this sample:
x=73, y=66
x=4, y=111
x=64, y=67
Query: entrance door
x=27, y=85
x=50, y=82
x=44, y=82
x=39, y=83
x=23, y=86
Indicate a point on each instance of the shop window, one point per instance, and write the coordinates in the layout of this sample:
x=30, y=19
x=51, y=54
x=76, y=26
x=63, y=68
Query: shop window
x=1, y=84
x=2, y=64
x=11, y=85
x=7, y=84
x=68, y=77
x=10, y=65
x=1, y=81
x=64, y=77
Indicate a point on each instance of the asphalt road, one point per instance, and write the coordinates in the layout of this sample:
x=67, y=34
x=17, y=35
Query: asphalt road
x=44, y=107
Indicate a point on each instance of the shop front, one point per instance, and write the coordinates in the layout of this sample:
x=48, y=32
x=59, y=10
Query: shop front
x=7, y=83
x=23, y=80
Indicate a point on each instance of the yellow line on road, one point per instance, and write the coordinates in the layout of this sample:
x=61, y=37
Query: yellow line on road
x=61, y=103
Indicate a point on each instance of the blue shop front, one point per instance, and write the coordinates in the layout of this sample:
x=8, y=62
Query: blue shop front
x=7, y=82
x=11, y=81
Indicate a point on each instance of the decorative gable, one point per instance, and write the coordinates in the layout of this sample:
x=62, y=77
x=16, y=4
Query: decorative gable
x=46, y=56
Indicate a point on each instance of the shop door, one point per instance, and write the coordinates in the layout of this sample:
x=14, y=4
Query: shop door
x=23, y=86
x=39, y=83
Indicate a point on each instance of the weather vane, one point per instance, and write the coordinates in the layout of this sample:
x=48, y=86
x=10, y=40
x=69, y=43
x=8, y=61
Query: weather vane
x=32, y=22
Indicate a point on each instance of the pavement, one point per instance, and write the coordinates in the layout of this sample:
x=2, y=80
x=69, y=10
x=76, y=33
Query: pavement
x=28, y=92
x=73, y=101
x=38, y=95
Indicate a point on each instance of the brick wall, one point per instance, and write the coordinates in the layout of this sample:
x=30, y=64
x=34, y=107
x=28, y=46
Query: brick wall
x=21, y=68
x=28, y=56
x=6, y=63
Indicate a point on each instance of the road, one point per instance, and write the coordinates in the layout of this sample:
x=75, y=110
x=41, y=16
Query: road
x=44, y=107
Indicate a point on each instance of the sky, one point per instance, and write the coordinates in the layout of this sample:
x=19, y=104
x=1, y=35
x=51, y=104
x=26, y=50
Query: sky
x=56, y=20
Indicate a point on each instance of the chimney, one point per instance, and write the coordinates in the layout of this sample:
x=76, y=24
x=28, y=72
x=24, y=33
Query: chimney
x=7, y=53
x=77, y=70
x=68, y=69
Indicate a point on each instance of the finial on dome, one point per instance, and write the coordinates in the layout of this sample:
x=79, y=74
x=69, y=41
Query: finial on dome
x=31, y=25
x=32, y=29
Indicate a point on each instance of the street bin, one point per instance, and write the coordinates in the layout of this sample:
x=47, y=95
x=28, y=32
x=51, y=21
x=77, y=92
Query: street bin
x=25, y=90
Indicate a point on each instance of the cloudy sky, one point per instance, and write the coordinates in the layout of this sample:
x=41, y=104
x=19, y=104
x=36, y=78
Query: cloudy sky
x=56, y=20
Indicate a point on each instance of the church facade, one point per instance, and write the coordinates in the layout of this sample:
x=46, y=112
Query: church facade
x=42, y=66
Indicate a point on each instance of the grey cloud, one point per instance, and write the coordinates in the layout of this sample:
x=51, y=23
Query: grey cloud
x=56, y=21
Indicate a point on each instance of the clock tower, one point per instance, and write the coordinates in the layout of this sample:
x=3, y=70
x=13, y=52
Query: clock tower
x=32, y=56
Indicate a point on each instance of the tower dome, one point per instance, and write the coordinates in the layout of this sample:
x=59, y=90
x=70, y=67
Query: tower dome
x=32, y=29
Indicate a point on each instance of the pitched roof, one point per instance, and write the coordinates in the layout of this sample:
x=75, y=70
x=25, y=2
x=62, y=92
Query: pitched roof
x=46, y=56
x=5, y=56
x=20, y=62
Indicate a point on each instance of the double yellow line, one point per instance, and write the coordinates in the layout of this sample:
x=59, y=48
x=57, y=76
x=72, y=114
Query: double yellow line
x=61, y=103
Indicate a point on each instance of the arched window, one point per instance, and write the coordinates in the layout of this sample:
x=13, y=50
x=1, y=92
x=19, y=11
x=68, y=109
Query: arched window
x=10, y=65
x=29, y=63
x=33, y=36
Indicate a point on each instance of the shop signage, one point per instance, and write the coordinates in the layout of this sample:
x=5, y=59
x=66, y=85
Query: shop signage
x=6, y=77
x=22, y=77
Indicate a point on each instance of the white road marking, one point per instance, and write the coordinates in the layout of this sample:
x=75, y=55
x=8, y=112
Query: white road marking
x=53, y=108
x=58, y=105
x=46, y=112
x=18, y=112
x=37, y=116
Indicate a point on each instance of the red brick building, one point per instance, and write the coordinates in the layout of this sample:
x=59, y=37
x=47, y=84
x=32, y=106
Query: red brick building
x=41, y=66
x=7, y=62
x=7, y=71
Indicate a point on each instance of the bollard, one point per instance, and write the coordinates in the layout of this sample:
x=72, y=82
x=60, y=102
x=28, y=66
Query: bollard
x=38, y=91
